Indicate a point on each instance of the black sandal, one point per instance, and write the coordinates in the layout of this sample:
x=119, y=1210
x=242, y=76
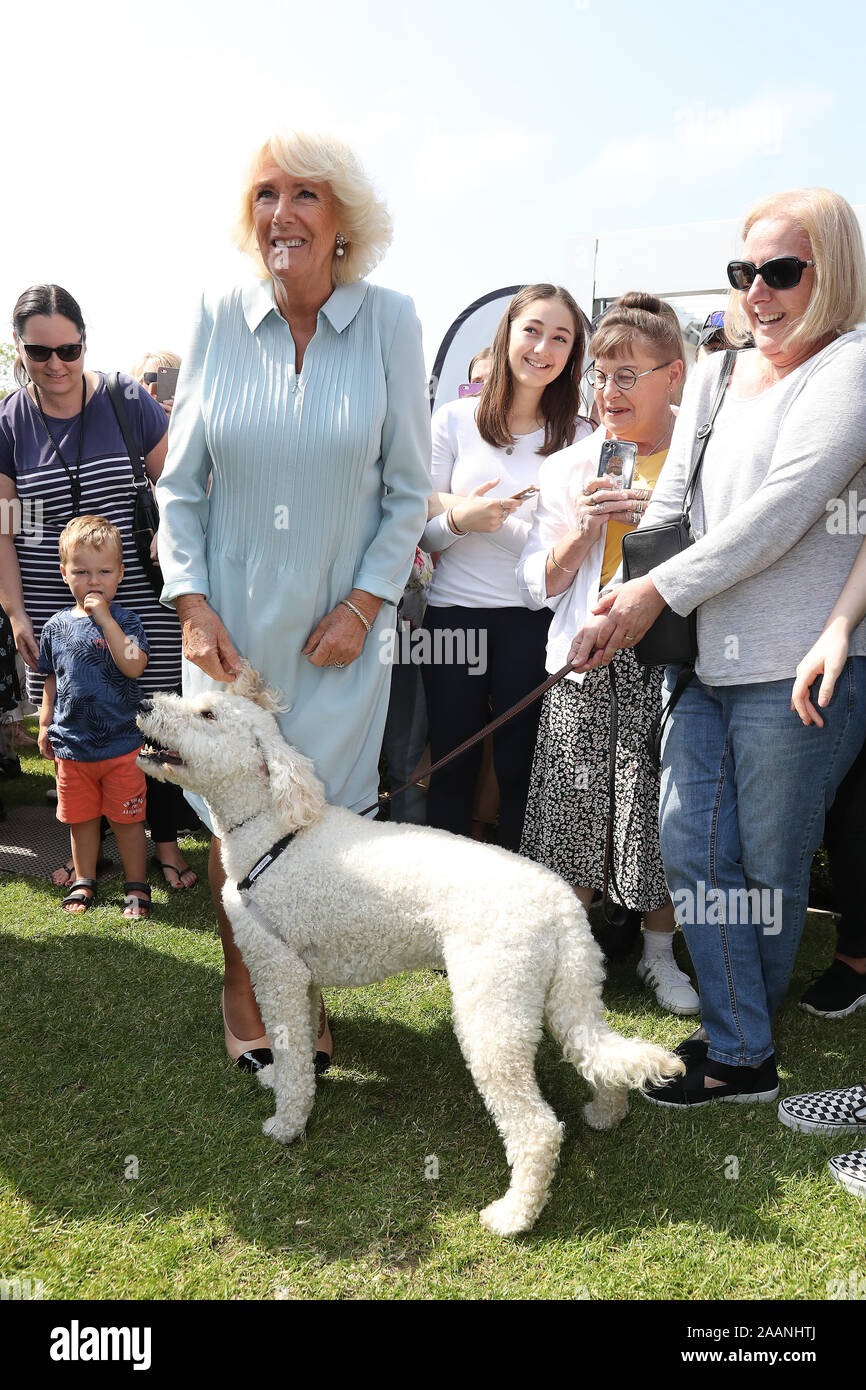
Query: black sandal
x=132, y=900
x=77, y=896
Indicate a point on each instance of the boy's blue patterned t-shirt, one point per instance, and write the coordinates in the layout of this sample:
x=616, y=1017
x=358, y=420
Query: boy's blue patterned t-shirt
x=94, y=712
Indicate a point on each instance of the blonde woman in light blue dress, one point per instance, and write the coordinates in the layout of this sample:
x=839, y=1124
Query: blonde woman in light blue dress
x=303, y=399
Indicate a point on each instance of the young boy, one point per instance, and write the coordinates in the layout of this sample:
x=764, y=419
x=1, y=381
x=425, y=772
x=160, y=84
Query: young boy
x=91, y=656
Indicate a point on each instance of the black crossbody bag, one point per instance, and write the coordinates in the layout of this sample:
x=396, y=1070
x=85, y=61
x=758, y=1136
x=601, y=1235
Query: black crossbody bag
x=145, y=518
x=672, y=640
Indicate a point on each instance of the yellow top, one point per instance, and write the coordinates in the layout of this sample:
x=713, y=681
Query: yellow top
x=646, y=474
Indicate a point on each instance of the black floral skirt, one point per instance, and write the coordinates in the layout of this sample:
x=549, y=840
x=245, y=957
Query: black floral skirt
x=566, y=812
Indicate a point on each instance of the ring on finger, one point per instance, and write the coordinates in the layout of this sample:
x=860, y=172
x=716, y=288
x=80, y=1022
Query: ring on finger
x=338, y=665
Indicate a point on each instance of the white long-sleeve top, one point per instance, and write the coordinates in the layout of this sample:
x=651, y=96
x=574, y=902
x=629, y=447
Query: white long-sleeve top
x=479, y=570
x=563, y=477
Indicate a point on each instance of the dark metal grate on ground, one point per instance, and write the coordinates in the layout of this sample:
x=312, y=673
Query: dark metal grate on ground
x=33, y=841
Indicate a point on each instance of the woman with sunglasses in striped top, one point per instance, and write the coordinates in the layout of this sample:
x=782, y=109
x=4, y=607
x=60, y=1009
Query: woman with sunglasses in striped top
x=62, y=454
x=745, y=785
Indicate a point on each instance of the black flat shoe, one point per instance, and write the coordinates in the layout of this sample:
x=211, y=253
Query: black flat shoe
x=694, y=1047
x=747, y=1085
x=256, y=1060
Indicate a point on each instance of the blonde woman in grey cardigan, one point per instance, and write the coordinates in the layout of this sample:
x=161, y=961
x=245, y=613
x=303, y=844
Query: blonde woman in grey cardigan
x=746, y=785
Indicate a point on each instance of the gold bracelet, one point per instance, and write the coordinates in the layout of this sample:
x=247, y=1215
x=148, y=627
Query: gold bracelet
x=559, y=566
x=452, y=524
x=357, y=612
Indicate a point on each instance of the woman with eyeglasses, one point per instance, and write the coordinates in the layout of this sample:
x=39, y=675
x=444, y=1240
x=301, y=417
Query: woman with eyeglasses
x=574, y=548
x=62, y=454
x=746, y=785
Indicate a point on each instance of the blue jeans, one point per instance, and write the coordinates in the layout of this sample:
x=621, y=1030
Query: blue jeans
x=745, y=788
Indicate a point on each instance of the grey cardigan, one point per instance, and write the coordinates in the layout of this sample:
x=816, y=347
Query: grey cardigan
x=776, y=515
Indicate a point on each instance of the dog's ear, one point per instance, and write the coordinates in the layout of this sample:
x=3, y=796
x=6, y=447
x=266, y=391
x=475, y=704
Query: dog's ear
x=250, y=686
x=298, y=794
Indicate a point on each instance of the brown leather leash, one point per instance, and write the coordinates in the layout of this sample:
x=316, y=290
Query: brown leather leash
x=464, y=747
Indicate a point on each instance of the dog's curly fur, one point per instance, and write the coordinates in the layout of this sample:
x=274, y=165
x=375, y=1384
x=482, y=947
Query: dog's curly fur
x=351, y=902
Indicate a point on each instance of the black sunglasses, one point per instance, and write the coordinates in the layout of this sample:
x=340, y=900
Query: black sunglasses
x=67, y=352
x=781, y=273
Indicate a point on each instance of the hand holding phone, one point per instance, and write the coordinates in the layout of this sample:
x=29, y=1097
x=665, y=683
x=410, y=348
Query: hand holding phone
x=522, y=496
x=166, y=383
x=617, y=462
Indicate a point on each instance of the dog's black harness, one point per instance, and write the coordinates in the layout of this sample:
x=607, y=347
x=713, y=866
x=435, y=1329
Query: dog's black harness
x=266, y=860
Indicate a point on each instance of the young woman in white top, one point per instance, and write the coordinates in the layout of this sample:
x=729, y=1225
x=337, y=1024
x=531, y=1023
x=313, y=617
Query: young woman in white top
x=485, y=647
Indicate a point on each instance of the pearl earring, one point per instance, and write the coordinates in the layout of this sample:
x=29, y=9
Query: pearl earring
x=341, y=242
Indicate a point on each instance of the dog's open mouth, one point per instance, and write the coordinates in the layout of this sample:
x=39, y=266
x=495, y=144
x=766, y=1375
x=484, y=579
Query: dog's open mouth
x=150, y=754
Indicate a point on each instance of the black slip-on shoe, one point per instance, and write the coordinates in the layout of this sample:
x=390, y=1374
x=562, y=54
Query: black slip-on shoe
x=694, y=1047
x=744, y=1084
x=836, y=993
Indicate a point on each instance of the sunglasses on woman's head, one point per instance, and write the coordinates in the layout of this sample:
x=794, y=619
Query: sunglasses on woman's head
x=781, y=273
x=67, y=352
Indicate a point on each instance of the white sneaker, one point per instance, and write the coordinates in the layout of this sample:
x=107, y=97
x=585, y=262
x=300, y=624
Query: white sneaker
x=673, y=989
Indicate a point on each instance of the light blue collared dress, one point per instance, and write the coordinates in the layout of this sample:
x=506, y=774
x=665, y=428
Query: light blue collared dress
x=320, y=485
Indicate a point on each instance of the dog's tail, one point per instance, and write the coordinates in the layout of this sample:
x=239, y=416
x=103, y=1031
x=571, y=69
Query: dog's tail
x=576, y=1017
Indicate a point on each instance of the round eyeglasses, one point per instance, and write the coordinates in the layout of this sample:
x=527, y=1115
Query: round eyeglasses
x=623, y=377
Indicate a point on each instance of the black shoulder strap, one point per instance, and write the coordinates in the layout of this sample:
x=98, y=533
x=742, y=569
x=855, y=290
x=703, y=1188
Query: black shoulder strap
x=115, y=395
x=706, y=430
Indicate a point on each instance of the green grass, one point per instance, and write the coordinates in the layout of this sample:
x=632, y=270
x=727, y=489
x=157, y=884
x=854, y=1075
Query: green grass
x=112, y=1046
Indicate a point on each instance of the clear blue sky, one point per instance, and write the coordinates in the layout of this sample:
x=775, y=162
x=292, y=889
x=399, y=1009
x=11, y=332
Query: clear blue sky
x=495, y=130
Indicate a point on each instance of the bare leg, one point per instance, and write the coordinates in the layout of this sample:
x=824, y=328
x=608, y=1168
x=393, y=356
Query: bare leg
x=661, y=919
x=132, y=844
x=242, y=1011
x=85, y=852
x=170, y=857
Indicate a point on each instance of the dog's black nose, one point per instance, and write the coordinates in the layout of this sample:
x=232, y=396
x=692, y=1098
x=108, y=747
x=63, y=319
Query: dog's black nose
x=145, y=707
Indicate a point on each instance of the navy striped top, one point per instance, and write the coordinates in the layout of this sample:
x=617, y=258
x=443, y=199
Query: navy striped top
x=27, y=456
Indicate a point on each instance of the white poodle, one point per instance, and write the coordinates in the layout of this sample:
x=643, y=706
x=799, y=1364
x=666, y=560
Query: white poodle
x=350, y=902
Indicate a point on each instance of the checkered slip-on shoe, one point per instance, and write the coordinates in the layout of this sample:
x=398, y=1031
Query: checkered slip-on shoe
x=850, y=1171
x=826, y=1112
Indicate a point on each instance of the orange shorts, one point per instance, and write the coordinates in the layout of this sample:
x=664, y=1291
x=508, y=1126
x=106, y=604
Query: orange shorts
x=112, y=787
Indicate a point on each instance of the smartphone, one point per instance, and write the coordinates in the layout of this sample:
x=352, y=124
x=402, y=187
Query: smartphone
x=473, y=388
x=166, y=383
x=521, y=496
x=618, y=457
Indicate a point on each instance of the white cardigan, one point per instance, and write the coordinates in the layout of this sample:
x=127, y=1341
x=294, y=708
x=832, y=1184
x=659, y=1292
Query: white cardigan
x=562, y=480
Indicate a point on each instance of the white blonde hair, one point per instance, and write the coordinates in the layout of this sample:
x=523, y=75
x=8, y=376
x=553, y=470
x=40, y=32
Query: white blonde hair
x=838, y=301
x=362, y=216
x=152, y=361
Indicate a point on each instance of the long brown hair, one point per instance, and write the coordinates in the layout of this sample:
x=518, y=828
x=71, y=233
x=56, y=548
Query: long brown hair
x=560, y=401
